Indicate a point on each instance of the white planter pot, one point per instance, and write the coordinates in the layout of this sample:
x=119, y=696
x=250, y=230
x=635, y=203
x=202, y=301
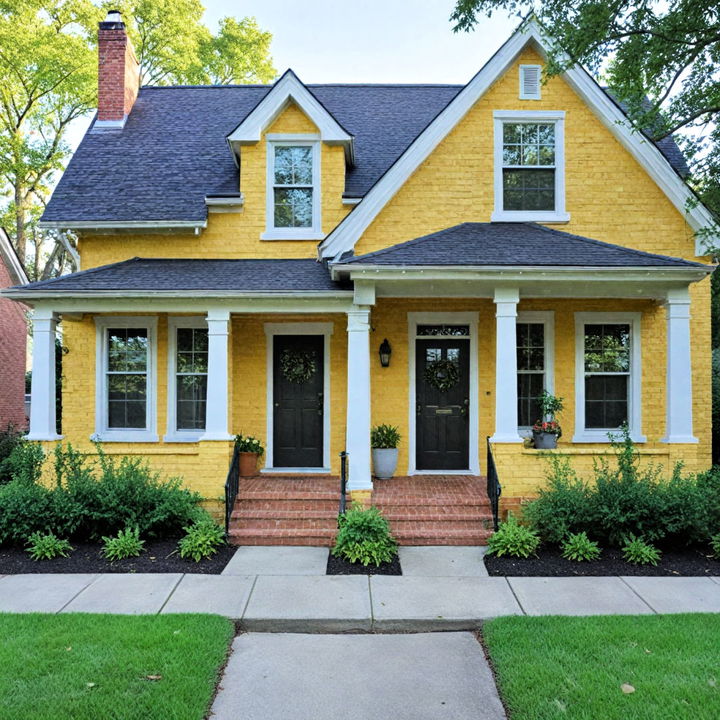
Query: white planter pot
x=384, y=462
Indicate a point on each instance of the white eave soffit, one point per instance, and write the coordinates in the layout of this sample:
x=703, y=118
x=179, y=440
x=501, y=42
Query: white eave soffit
x=343, y=238
x=289, y=89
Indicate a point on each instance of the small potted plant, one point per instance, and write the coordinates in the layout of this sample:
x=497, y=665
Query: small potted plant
x=546, y=431
x=384, y=440
x=249, y=450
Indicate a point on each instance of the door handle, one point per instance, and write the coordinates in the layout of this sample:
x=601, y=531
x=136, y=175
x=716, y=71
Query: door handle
x=464, y=408
x=320, y=404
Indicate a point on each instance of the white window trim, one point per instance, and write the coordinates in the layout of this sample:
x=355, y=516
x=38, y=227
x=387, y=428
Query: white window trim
x=172, y=433
x=521, y=74
x=582, y=435
x=445, y=318
x=559, y=215
x=547, y=319
x=311, y=233
x=325, y=329
x=102, y=432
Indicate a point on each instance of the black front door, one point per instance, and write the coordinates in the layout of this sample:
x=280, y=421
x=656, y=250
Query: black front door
x=442, y=370
x=298, y=401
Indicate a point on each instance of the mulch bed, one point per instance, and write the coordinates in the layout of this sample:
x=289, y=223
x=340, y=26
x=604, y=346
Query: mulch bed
x=687, y=562
x=159, y=556
x=340, y=566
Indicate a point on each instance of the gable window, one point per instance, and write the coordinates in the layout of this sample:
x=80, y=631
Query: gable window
x=529, y=167
x=125, y=401
x=534, y=364
x=187, y=378
x=608, y=381
x=293, y=191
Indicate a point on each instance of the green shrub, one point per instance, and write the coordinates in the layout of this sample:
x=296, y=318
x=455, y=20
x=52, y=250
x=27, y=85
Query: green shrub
x=715, y=545
x=25, y=462
x=513, y=540
x=248, y=443
x=25, y=509
x=125, y=544
x=579, y=548
x=201, y=540
x=638, y=552
x=47, y=547
x=364, y=537
x=385, y=437
x=10, y=438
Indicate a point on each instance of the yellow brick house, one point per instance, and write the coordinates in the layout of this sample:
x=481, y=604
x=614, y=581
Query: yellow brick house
x=246, y=250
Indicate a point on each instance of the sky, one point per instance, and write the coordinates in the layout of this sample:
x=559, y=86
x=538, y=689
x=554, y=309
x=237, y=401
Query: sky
x=371, y=41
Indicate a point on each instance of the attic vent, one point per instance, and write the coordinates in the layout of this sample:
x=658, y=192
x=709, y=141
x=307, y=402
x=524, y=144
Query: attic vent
x=530, y=82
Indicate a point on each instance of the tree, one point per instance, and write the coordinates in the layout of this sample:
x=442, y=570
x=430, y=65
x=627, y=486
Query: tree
x=48, y=65
x=662, y=60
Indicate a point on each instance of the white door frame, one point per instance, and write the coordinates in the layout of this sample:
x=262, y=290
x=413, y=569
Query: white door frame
x=450, y=318
x=298, y=328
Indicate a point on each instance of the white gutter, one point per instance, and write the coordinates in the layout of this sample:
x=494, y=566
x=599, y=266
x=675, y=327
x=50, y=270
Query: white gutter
x=125, y=225
x=22, y=294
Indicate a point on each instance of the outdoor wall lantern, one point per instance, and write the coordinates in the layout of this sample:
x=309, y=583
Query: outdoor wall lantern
x=385, y=352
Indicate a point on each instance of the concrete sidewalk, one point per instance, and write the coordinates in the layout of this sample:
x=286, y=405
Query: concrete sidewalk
x=284, y=590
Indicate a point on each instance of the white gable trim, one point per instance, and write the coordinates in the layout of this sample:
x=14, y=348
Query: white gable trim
x=289, y=89
x=343, y=238
x=11, y=259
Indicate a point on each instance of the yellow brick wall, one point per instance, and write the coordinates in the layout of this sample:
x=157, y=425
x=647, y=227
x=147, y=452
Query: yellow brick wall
x=236, y=235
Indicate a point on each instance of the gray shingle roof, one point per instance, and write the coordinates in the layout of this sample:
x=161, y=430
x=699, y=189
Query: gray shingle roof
x=512, y=244
x=141, y=274
x=172, y=151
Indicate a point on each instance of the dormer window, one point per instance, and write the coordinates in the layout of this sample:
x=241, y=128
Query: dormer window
x=529, y=166
x=293, y=190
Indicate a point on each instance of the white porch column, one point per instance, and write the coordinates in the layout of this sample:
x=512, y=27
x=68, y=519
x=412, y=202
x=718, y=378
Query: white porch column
x=678, y=428
x=216, y=418
x=506, y=414
x=358, y=398
x=42, y=407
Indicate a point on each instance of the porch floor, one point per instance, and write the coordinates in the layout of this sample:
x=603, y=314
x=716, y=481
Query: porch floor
x=302, y=510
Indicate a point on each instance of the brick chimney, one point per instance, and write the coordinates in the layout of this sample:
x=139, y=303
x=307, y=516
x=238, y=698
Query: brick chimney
x=118, y=73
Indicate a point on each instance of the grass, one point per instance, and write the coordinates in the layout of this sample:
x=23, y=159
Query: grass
x=573, y=668
x=114, y=667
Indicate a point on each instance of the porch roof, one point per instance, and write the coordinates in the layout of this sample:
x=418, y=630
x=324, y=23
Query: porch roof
x=512, y=245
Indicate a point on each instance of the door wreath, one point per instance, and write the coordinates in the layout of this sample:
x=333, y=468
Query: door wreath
x=442, y=374
x=297, y=366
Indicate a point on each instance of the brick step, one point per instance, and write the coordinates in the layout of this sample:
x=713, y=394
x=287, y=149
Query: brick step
x=274, y=495
x=386, y=500
x=420, y=536
x=293, y=523
x=478, y=520
x=440, y=526
x=247, y=514
x=318, y=537
x=287, y=505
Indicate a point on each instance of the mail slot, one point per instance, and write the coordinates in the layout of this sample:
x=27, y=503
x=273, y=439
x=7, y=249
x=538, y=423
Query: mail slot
x=443, y=411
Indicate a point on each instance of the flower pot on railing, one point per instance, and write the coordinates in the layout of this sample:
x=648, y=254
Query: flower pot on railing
x=249, y=450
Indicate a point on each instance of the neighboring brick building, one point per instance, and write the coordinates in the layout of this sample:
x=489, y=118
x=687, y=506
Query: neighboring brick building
x=13, y=340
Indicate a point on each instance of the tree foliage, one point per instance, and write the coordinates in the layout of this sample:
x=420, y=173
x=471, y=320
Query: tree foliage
x=662, y=59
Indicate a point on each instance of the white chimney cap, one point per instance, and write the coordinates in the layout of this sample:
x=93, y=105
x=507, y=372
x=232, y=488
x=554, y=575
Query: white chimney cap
x=113, y=16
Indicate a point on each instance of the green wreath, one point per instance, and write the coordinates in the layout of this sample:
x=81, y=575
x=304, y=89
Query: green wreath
x=297, y=366
x=442, y=374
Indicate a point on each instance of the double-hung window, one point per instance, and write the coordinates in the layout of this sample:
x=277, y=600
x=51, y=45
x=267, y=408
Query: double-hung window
x=187, y=378
x=529, y=166
x=125, y=398
x=293, y=191
x=608, y=375
x=534, y=332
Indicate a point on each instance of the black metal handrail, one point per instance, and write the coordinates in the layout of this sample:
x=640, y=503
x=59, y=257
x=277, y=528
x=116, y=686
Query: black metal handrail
x=232, y=486
x=494, y=489
x=343, y=483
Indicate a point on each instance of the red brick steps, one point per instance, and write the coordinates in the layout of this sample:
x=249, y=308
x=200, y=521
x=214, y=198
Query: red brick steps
x=302, y=510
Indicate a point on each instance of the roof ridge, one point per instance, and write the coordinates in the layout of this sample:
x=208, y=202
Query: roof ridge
x=237, y=86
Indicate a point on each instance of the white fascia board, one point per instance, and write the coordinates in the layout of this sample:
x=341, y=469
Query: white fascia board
x=289, y=88
x=123, y=225
x=12, y=261
x=346, y=234
x=219, y=201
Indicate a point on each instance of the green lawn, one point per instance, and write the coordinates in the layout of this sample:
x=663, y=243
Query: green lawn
x=110, y=667
x=573, y=668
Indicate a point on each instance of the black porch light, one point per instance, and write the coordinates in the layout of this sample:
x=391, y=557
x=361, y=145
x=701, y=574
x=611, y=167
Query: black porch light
x=385, y=352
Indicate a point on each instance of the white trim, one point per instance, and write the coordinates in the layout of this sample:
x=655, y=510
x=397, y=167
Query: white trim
x=351, y=200
x=325, y=329
x=294, y=470
x=172, y=433
x=123, y=224
x=446, y=318
x=102, y=432
x=217, y=411
x=350, y=229
x=43, y=416
x=12, y=261
x=530, y=96
x=546, y=318
x=557, y=118
x=289, y=89
x=582, y=435
x=314, y=232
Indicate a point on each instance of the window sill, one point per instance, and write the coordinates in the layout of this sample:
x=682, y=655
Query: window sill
x=183, y=437
x=530, y=216
x=285, y=235
x=602, y=437
x=125, y=436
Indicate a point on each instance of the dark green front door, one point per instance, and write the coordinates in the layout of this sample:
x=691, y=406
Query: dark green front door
x=443, y=403
x=298, y=401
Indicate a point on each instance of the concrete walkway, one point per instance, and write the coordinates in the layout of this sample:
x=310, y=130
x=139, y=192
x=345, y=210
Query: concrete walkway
x=284, y=590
